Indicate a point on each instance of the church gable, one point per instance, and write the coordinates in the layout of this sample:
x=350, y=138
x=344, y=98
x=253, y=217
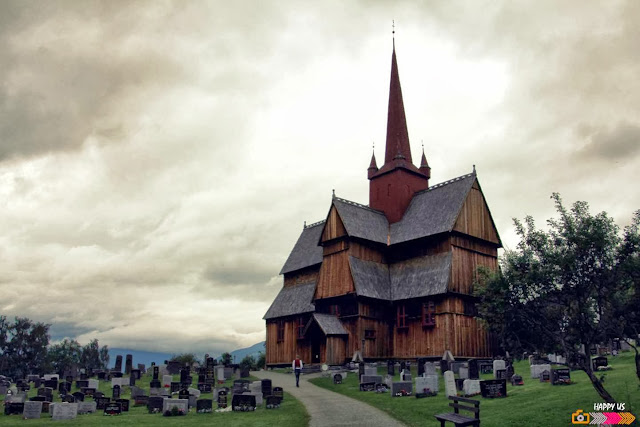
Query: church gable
x=475, y=219
x=333, y=226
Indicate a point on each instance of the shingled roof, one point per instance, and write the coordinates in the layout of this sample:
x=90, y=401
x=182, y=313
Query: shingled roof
x=433, y=211
x=362, y=221
x=292, y=300
x=329, y=323
x=420, y=277
x=306, y=251
x=370, y=278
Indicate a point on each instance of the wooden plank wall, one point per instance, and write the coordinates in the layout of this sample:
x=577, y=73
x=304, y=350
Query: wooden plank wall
x=335, y=276
x=285, y=351
x=465, y=336
x=464, y=268
x=378, y=347
x=336, y=350
x=474, y=218
x=366, y=253
x=334, y=227
x=353, y=341
x=301, y=276
x=422, y=247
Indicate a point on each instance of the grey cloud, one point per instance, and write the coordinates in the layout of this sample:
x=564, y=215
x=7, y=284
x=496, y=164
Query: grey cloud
x=620, y=142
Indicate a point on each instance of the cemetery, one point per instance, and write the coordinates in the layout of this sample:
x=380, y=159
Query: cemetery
x=141, y=398
x=506, y=401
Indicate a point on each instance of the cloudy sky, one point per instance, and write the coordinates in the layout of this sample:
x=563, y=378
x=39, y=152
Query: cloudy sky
x=158, y=158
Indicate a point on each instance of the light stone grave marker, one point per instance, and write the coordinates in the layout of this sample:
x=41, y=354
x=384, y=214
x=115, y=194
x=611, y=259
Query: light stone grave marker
x=498, y=364
x=32, y=410
x=471, y=387
x=450, y=384
x=64, y=411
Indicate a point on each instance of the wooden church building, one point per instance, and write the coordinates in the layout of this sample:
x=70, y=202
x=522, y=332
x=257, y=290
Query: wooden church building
x=392, y=279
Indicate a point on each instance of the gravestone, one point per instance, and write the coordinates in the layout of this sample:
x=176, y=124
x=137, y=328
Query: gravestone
x=102, y=401
x=68, y=398
x=118, y=367
x=124, y=404
x=500, y=374
x=204, y=406
x=455, y=367
x=184, y=373
x=599, y=361
x=141, y=400
x=560, y=376
x=220, y=373
x=391, y=367
x=52, y=383
x=183, y=394
x=278, y=392
x=369, y=386
x=205, y=387
x=266, y=387
x=545, y=376
x=209, y=374
x=136, y=373
x=516, y=380
x=429, y=368
x=536, y=370
x=182, y=405
x=94, y=384
x=450, y=384
x=444, y=366
x=64, y=411
x=82, y=383
x=273, y=402
x=113, y=408
x=128, y=364
x=421, y=362
x=493, y=388
x=222, y=399
x=14, y=408
x=337, y=379
x=167, y=380
x=370, y=370
x=463, y=373
x=427, y=385
x=471, y=387
x=510, y=371
x=371, y=379
x=132, y=380
x=243, y=402
x=136, y=391
x=175, y=386
x=155, y=404
x=401, y=388
x=96, y=394
x=405, y=375
x=498, y=365
x=88, y=391
x=486, y=367
x=79, y=396
x=116, y=392
x=86, y=407
x=156, y=372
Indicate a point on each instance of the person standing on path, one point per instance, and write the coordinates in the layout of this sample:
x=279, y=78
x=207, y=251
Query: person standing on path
x=296, y=365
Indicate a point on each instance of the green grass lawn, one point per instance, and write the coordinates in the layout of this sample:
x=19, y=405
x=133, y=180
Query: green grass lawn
x=533, y=404
x=290, y=413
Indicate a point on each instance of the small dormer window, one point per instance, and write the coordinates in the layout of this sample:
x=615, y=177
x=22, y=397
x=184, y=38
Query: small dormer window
x=428, y=314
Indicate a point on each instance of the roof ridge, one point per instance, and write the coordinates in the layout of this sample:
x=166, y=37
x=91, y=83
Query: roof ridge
x=360, y=205
x=442, y=184
x=314, y=224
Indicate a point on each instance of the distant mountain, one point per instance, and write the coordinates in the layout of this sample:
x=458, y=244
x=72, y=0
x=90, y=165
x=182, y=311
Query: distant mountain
x=240, y=354
x=145, y=357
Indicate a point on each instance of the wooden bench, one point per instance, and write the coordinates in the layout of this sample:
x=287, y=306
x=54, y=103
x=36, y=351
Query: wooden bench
x=456, y=418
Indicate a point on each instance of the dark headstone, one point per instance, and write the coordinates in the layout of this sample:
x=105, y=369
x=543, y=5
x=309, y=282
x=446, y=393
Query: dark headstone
x=82, y=383
x=94, y=393
x=599, y=361
x=102, y=402
x=493, y=388
x=13, y=408
x=116, y=392
x=501, y=374
x=124, y=403
x=132, y=380
x=205, y=387
x=516, y=380
x=474, y=371
x=459, y=383
x=278, y=392
x=84, y=376
x=79, y=396
x=175, y=386
x=222, y=399
x=391, y=368
x=154, y=404
x=560, y=376
x=510, y=371
x=112, y=408
x=156, y=372
x=68, y=398
x=244, y=373
x=360, y=369
x=368, y=386
x=184, y=373
x=128, y=364
x=201, y=378
x=337, y=379
x=102, y=375
x=243, y=402
x=38, y=399
x=118, y=367
x=155, y=384
x=444, y=366
x=421, y=362
x=52, y=383
x=204, y=406
x=64, y=387
x=273, y=402
x=403, y=366
x=89, y=391
x=266, y=387
x=545, y=376
x=183, y=394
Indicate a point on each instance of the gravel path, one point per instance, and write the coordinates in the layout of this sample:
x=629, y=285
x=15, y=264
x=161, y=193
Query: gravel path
x=328, y=408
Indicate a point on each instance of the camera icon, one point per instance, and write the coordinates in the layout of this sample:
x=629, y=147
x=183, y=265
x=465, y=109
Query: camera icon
x=579, y=417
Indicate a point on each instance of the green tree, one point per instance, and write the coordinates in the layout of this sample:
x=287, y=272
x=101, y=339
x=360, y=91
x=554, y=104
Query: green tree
x=225, y=358
x=23, y=346
x=262, y=360
x=90, y=355
x=559, y=290
x=104, y=357
x=248, y=362
x=186, y=359
x=64, y=355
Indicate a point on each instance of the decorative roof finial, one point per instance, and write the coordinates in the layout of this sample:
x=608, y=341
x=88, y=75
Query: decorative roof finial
x=333, y=193
x=474, y=169
x=305, y=224
x=393, y=32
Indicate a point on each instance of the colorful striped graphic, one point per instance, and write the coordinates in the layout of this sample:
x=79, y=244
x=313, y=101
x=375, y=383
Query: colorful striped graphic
x=611, y=418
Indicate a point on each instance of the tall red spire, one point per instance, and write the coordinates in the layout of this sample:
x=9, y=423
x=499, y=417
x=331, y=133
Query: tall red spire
x=397, y=134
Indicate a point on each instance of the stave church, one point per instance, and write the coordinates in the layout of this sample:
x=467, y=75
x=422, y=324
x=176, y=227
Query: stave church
x=391, y=279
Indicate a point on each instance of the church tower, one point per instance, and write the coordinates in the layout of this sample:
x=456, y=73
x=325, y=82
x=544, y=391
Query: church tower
x=392, y=187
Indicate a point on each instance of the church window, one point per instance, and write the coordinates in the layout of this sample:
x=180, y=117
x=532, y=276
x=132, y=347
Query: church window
x=401, y=318
x=280, y=330
x=300, y=328
x=370, y=334
x=334, y=309
x=428, y=313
